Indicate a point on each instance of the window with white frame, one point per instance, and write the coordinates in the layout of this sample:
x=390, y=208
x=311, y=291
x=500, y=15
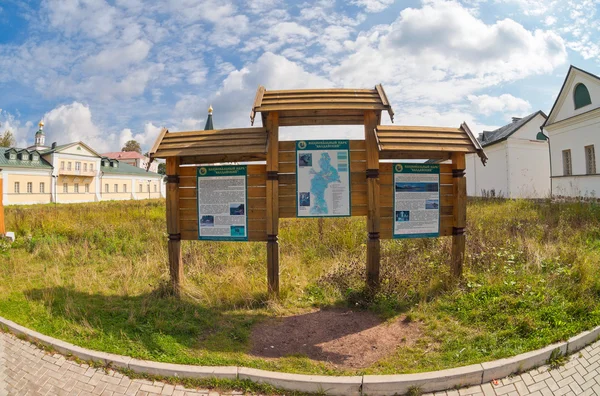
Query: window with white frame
x=62, y=165
x=76, y=188
x=87, y=188
x=42, y=187
x=65, y=188
x=116, y=188
x=567, y=166
x=590, y=160
x=106, y=188
x=91, y=167
x=35, y=158
x=77, y=165
x=141, y=188
x=124, y=188
x=69, y=165
x=29, y=187
x=17, y=187
x=85, y=167
x=155, y=188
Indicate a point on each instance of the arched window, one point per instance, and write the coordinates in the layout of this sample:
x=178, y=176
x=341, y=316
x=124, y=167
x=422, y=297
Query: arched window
x=541, y=136
x=581, y=96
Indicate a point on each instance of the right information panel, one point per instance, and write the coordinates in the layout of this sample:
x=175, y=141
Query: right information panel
x=416, y=200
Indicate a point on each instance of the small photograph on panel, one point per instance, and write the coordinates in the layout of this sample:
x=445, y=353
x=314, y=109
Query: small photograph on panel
x=304, y=199
x=207, y=221
x=305, y=160
x=402, y=215
x=237, y=209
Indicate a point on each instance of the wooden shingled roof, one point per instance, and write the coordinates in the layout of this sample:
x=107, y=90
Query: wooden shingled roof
x=321, y=106
x=219, y=145
x=421, y=142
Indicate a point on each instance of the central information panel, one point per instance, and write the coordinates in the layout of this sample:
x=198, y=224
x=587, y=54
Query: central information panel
x=416, y=200
x=222, y=202
x=323, y=178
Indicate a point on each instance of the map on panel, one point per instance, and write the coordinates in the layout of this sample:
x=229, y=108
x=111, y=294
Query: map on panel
x=323, y=178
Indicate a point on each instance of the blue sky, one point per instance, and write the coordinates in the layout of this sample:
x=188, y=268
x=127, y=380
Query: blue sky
x=105, y=71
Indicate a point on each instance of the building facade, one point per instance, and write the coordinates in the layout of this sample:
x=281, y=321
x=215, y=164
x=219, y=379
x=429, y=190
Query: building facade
x=133, y=158
x=519, y=161
x=70, y=173
x=573, y=127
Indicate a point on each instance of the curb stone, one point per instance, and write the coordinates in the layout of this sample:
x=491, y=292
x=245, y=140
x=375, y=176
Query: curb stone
x=504, y=367
x=426, y=382
x=582, y=340
x=330, y=385
x=346, y=385
x=182, y=370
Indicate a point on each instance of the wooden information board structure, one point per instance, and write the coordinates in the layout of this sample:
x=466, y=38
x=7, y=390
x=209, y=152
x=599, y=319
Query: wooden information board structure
x=271, y=187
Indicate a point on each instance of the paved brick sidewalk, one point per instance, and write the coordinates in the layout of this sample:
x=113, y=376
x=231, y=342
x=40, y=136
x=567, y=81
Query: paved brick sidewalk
x=26, y=370
x=580, y=376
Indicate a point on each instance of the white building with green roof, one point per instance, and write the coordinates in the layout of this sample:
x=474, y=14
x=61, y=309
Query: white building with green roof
x=69, y=173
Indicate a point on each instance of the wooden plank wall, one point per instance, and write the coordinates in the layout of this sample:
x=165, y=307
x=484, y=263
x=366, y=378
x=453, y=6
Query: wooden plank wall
x=287, y=178
x=386, y=178
x=257, y=203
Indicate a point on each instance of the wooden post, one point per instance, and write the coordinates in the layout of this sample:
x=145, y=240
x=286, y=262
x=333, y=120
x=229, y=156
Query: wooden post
x=173, y=225
x=273, y=203
x=459, y=184
x=373, y=212
x=2, y=225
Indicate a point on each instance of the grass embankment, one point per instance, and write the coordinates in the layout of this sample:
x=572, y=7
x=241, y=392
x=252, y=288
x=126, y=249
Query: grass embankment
x=94, y=275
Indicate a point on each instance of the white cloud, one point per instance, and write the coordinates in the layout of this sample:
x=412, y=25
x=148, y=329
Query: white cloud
x=374, y=5
x=73, y=123
x=146, y=138
x=120, y=57
x=532, y=7
x=550, y=20
x=92, y=18
x=442, y=52
x=23, y=132
x=505, y=103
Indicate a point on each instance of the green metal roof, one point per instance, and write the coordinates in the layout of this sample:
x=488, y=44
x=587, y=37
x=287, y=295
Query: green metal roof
x=17, y=163
x=209, y=123
x=57, y=148
x=126, y=169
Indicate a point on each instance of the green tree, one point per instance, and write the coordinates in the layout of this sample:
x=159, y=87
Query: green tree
x=7, y=139
x=132, y=145
x=162, y=168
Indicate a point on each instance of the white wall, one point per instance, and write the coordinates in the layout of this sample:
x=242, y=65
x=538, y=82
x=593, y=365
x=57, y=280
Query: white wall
x=529, y=168
x=494, y=176
x=575, y=135
x=566, y=104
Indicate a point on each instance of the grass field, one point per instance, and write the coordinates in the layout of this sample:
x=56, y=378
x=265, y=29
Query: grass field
x=95, y=275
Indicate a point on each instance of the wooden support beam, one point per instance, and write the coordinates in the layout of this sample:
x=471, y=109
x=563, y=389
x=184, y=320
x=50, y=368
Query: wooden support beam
x=459, y=185
x=373, y=209
x=273, y=203
x=173, y=225
x=2, y=225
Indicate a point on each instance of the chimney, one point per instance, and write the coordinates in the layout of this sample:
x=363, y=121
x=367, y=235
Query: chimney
x=53, y=145
x=515, y=119
x=480, y=137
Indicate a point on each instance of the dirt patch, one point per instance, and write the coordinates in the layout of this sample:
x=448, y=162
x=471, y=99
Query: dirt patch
x=345, y=338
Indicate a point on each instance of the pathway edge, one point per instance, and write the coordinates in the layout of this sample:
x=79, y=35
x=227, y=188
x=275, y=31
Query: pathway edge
x=382, y=385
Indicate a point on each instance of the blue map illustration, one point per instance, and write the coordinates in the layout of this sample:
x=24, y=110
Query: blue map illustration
x=319, y=183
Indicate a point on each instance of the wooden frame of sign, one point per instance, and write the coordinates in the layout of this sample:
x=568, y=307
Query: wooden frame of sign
x=271, y=170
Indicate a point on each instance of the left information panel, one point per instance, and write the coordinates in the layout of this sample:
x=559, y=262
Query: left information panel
x=222, y=203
